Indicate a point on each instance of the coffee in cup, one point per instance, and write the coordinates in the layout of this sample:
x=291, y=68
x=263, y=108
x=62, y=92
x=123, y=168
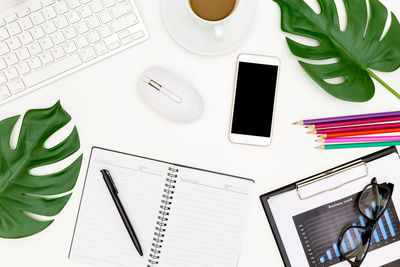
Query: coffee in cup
x=212, y=10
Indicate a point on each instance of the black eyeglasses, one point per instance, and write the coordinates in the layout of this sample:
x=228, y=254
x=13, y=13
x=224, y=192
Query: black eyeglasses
x=371, y=203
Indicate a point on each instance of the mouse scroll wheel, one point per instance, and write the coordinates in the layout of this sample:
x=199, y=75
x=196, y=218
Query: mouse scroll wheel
x=155, y=85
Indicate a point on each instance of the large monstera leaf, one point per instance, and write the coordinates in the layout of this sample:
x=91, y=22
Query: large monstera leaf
x=23, y=194
x=358, y=48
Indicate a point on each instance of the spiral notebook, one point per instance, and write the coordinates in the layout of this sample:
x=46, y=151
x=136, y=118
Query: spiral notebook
x=182, y=216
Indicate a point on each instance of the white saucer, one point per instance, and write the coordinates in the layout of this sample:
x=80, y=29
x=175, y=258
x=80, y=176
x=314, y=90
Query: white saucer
x=200, y=39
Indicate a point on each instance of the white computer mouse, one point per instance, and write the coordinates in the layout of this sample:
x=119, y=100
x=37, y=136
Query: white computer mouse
x=170, y=95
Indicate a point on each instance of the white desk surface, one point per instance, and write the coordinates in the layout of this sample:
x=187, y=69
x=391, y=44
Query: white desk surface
x=104, y=105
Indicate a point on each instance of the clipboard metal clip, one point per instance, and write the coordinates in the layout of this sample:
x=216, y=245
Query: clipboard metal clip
x=329, y=174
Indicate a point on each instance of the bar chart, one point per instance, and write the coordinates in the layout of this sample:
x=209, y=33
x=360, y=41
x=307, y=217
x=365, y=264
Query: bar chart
x=319, y=230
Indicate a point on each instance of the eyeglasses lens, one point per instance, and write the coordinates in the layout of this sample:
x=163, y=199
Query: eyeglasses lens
x=373, y=201
x=354, y=244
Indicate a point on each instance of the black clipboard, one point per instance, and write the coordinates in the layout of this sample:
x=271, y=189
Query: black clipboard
x=294, y=186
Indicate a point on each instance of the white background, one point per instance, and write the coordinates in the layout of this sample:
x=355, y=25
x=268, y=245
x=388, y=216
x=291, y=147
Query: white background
x=104, y=105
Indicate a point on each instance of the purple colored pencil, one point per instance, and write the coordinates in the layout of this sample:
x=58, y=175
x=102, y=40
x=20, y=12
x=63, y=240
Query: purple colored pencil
x=352, y=117
x=358, y=128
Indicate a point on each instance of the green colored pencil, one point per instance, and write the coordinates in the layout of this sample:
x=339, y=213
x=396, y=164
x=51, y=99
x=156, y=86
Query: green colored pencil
x=356, y=145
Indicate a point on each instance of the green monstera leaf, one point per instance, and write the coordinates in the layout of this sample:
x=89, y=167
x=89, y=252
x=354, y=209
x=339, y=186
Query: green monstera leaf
x=23, y=194
x=358, y=48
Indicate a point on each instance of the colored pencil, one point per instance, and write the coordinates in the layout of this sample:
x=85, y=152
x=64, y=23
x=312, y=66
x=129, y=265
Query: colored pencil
x=357, y=145
x=355, y=133
x=352, y=122
x=349, y=118
x=356, y=128
x=360, y=139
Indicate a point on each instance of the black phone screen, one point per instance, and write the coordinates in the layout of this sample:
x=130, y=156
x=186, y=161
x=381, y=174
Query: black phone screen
x=254, y=100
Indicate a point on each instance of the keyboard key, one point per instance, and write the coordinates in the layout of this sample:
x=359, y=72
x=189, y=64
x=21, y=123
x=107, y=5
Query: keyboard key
x=14, y=28
x=11, y=73
x=124, y=34
x=58, y=52
x=4, y=35
x=121, y=10
x=23, y=54
x=48, y=2
x=4, y=92
x=24, y=12
x=82, y=27
x=16, y=86
x=47, y=43
x=35, y=63
x=105, y=17
x=126, y=40
x=11, y=59
x=49, y=13
x=26, y=23
x=138, y=35
x=46, y=58
x=23, y=68
x=93, y=36
x=61, y=7
x=86, y=1
x=70, y=47
x=73, y=17
x=53, y=70
x=85, y=12
x=101, y=48
x=49, y=27
x=93, y=22
x=4, y=49
x=70, y=33
x=58, y=38
x=97, y=6
x=34, y=48
x=36, y=7
x=2, y=22
x=11, y=18
x=74, y=4
x=38, y=33
x=14, y=43
x=26, y=38
x=124, y=23
x=105, y=31
x=38, y=18
x=88, y=54
x=3, y=78
x=61, y=22
x=114, y=45
x=109, y=3
x=3, y=64
x=82, y=42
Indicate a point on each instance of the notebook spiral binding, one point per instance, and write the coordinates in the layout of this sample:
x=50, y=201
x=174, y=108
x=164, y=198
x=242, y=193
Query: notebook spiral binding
x=163, y=216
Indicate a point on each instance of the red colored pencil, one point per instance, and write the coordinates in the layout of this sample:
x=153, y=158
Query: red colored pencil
x=354, y=122
x=357, y=128
x=355, y=133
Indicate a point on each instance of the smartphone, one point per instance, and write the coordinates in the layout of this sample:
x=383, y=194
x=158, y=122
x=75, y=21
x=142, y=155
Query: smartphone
x=254, y=98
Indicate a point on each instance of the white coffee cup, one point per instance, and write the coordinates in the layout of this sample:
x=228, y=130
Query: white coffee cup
x=217, y=25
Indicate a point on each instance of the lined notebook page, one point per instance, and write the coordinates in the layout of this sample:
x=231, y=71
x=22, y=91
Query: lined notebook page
x=101, y=238
x=207, y=220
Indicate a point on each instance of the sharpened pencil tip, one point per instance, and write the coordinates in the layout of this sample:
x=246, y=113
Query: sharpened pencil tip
x=312, y=132
x=320, y=147
x=320, y=140
x=310, y=127
x=299, y=123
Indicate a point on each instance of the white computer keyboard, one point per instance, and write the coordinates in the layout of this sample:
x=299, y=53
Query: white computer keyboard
x=42, y=41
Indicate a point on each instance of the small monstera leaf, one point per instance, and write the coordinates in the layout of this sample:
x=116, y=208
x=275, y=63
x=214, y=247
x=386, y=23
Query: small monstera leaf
x=22, y=193
x=358, y=48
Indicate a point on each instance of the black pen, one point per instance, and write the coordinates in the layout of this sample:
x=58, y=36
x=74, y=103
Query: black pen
x=114, y=194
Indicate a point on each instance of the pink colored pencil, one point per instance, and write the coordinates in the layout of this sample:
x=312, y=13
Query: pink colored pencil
x=357, y=128
x=360, y=139
x=354, y=122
